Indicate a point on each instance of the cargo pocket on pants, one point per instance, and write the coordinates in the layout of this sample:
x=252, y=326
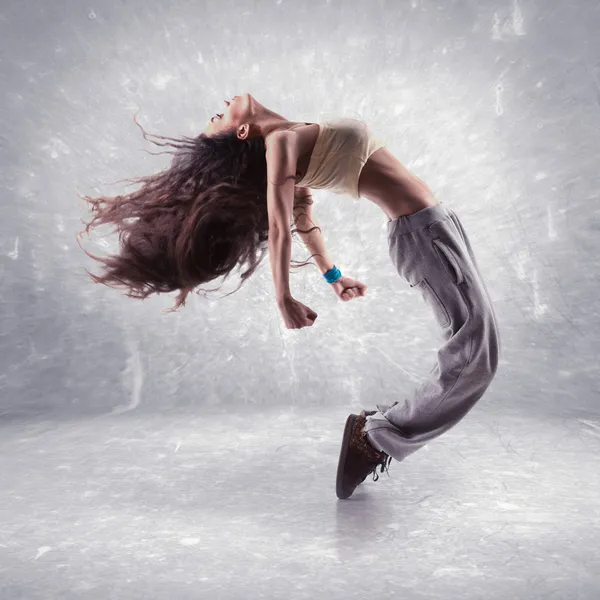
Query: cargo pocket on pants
x=433, y=301
x=449, y=261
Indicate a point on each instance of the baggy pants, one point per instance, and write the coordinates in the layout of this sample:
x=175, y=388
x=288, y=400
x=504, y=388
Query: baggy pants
x=431, y=252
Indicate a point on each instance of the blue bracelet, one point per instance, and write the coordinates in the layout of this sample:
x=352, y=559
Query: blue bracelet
x=332, y=275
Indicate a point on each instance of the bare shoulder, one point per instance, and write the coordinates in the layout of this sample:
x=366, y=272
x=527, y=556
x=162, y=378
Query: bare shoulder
x=280, y=139
x=282, y=157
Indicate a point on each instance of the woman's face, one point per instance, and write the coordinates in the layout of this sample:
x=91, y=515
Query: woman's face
x=234, y=112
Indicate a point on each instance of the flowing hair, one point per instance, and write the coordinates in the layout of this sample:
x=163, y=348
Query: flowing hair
x=190, y=223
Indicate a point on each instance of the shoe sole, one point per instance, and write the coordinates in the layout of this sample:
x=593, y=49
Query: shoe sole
x=343, y=454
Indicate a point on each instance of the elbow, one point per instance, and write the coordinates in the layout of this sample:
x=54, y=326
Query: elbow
x=279, y=231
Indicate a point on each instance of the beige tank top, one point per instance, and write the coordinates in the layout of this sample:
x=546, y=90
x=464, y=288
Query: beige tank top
x=342, y=148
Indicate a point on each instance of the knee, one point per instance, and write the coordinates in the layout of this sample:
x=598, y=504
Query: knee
x=489, y=366
x=488, y=353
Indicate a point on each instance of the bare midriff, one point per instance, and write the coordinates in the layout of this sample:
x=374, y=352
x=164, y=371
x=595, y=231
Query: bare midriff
x=384, y=180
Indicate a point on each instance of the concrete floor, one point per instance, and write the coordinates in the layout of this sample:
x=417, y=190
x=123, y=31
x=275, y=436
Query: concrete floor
x=238, y=506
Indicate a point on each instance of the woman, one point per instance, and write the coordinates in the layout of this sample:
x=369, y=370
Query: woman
x=234, y=190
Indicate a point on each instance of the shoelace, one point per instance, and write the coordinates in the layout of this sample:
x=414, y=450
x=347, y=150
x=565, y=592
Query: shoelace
x=385, y=467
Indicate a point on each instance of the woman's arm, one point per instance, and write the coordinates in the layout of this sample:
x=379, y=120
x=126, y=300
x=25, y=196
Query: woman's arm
x=305, y=221
x=345, y=287
x=282, y=158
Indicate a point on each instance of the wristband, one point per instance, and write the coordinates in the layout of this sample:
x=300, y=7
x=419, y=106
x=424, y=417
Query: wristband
x=332, y=275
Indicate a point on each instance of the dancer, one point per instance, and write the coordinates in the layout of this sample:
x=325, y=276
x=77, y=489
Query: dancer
x=231, y=193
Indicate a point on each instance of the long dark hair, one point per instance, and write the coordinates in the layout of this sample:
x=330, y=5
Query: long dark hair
x=192, y=222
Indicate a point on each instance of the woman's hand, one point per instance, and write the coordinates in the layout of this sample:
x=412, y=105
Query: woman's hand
x=295, y=314
x=346, y=288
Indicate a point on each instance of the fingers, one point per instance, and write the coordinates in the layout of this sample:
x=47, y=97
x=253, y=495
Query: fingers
x=309, y=321
x=354, y=292
x=306, y=324
x=311, y=317
x=301, y=316
x=362, y=288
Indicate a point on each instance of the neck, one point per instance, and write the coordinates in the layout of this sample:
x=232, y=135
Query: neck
x=268, y=122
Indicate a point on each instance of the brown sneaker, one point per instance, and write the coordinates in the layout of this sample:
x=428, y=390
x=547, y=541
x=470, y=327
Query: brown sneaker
x=358, y=458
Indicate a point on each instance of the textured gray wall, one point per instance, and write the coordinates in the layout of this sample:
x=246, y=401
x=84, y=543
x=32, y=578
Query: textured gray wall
x=495, y=104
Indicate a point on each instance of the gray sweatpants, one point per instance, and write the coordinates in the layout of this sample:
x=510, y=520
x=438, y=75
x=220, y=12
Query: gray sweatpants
x=430, y=251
